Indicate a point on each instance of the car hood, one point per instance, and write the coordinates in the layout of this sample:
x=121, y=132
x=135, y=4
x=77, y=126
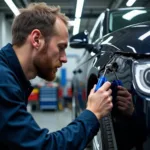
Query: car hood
x=132, y=39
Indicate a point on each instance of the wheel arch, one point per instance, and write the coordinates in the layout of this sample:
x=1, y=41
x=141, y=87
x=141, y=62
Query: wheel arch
x=91, y=81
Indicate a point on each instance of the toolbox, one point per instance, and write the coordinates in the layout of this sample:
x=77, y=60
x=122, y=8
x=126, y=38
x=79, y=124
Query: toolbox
x=48, y=98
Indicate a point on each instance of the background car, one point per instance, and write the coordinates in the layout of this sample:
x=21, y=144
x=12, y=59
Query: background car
x=120, y=39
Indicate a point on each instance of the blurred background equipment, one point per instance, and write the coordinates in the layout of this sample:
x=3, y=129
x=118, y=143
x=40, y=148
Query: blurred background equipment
x=48, y=98
x=33, y=99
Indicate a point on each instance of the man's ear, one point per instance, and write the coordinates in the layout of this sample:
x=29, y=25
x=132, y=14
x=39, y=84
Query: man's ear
x=35, y=37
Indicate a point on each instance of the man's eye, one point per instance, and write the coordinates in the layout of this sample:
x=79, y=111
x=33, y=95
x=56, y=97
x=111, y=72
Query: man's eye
x=61, y=48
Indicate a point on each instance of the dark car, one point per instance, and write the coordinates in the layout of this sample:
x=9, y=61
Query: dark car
x=119, y=40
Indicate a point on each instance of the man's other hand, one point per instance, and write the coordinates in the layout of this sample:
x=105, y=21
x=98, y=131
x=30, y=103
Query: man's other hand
x=124, y=101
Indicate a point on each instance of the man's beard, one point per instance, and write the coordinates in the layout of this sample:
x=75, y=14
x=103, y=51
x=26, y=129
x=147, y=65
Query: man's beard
x=44, y=72
x=46, y=75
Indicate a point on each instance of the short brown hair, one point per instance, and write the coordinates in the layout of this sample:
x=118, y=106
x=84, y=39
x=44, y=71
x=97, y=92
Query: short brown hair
x=36, y=16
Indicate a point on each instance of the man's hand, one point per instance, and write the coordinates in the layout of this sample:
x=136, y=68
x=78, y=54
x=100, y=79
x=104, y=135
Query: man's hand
x=124, y=101
x=100, y=102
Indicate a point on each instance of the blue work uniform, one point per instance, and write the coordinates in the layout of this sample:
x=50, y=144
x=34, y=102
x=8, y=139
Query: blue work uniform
x=18, y=129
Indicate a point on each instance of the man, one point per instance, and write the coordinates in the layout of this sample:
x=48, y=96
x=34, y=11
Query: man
x=39, y=39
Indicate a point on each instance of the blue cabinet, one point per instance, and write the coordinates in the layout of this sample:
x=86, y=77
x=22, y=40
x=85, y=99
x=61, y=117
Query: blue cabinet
x=48, y=97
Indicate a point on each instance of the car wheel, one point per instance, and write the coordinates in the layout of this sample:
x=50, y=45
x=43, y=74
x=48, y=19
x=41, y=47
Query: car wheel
x=97, y=142
x=106, y=135
x=75, y=108
x=105, y=139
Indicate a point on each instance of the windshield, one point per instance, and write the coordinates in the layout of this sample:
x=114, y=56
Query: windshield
x=122, y=18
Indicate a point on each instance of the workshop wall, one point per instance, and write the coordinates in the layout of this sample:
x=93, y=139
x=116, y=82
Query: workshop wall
x=5, y=31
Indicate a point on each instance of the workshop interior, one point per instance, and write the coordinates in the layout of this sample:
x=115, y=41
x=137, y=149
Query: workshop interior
x=109, y=40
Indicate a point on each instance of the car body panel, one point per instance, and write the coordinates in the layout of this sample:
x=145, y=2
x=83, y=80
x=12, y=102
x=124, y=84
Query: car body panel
x=127, y=47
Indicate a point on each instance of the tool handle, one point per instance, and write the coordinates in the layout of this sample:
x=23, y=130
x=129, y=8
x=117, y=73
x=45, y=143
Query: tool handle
x=100, y=82
x=117, y=82
x=120, y=82
x=114, y=85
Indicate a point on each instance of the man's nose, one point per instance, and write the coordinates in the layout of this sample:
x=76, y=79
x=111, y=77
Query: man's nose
x=63, y=58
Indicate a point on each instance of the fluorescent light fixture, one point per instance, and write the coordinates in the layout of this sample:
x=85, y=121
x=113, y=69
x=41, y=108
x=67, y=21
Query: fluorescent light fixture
x=142, y=37
x=130, y=2
x=133, y=13
x=76, y=26
x=13, y=7
x=79, y=8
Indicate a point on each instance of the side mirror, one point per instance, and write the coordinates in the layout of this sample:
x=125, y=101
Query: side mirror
x=79, y=40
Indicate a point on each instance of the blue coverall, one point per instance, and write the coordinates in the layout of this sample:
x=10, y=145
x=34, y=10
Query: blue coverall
x=18, y=129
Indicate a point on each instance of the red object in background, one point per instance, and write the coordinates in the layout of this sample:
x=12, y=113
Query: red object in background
x=60, y=93
x=69, y=92
x=34, y=96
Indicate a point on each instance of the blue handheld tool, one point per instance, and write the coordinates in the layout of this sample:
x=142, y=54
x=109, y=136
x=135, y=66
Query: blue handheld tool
x=114, y=85
x=102, y=79
x=117, y=82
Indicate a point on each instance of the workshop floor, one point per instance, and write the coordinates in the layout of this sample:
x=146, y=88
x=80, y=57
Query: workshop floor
x=53, y=120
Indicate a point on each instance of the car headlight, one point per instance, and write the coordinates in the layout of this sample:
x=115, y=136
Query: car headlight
x=141, y=74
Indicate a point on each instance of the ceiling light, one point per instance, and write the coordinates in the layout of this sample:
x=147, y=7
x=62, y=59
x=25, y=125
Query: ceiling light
x=13, y=7
x=130, y=2
x=76, y=26
x=79, y=8
x=133, y=13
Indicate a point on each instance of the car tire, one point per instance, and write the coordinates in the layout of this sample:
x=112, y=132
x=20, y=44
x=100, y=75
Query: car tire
x=107, y=134
x=75, y=108
x=105, y=139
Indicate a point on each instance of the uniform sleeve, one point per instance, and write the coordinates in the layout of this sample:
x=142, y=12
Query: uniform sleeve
x=19, y=131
